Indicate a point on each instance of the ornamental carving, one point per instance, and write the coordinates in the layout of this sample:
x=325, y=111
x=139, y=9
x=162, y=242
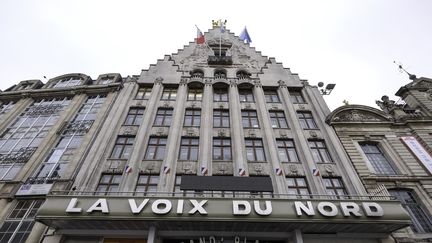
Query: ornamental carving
x=22, y=156
x=282, y=83
x=158, y=80
x=357, y=116
x=77, y=127
x=43, y=110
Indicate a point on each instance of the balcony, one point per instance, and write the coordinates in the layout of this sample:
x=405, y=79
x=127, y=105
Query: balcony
x=219, y=60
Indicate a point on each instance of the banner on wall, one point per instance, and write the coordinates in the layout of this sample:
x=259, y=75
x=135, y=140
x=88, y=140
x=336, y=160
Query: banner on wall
x=419, y=151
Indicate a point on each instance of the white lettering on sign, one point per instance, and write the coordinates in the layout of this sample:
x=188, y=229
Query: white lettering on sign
x=419, y=151
x=239, y=207
x=137, y=209
x=71, y=208
x=166, y=206
x=99, y=205
x=299, y=206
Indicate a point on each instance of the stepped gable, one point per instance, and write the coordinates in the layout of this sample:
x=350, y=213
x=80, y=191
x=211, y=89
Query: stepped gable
x=357, y=114
x=274, y=71
x=243, y=56
x=418, y=84
x=164, y=69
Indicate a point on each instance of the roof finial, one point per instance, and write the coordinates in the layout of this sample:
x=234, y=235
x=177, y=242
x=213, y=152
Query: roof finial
x=401, y=69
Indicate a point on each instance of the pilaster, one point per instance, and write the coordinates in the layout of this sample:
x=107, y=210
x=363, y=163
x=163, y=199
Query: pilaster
x=205, y=155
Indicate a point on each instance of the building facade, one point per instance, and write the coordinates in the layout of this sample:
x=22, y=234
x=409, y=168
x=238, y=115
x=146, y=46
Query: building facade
x=390, y=149
x=213, y=143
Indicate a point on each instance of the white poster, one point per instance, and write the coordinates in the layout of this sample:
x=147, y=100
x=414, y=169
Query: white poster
x=419, y=151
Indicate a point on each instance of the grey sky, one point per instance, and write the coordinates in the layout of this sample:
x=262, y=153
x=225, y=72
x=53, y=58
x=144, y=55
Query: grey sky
x=350, y=43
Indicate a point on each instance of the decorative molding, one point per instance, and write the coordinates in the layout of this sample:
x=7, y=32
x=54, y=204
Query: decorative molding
x=158, y=80
x=356, y=115
x=282, y=83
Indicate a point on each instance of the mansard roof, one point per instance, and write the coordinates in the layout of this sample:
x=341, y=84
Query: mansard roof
x=357, y=114
x=418, y=84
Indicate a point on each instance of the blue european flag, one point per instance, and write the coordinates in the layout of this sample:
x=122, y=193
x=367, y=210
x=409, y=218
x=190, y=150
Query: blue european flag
x=244, y=36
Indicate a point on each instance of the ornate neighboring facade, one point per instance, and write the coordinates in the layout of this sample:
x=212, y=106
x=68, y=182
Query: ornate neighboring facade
x=213, y=143
x=390, y=149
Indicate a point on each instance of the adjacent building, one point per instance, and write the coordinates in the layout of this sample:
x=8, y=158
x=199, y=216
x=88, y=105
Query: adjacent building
x=390, y=149
x=215, y=143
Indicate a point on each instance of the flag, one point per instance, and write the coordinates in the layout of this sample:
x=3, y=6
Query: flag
x=278, y=171
x=244, y=36
x=166, y=169
x=200, y=36
x=204, y=170
x=242, y=172
x=315, y=172
x=128, y=169
x=222, y=26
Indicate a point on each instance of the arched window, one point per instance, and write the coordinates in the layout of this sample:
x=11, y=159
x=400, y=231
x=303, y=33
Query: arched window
x=241, y=75
x=220, y=74
x=422, y=221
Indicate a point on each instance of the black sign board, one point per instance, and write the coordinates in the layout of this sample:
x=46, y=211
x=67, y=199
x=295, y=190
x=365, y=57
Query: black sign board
x=226, y=183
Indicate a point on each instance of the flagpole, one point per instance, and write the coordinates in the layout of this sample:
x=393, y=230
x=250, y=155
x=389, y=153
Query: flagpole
x=220, y=41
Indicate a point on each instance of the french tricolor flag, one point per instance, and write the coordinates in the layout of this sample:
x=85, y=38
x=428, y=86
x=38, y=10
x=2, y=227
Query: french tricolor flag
x=242, y=172
x=166, y=169
x=278, y=171
x=128, y=169
x=316, y=172
x=200, y=36
x=204, y=170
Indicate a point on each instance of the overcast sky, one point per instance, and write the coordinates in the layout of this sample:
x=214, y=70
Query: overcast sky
x=350, y=43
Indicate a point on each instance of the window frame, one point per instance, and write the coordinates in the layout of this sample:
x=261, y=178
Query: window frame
x=195, y=94
x=143, y=93
x=169, y=93
x=166, y=115
x=297, y=97
x=246, y=95
x=157, y=146
x=149, y=183
x=319, y=151
x=278, y=119
x=126, y=146
x=134, y=116
x=108, y=185
x=288, y=149
x=254, y=148
x=222, y=116
x=191, y=146
x=270, y=95
x=307, y=122
x=249, y=118
x=192, y=118
x=221, y=148
x=298, y=187
x=373, y=164
x=220, y=95
x=333, y=188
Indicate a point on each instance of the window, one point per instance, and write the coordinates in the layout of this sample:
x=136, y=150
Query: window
x=68, y=82
x=334, y=186
x=192, y=118
x=123, y=147
x=220, y=95
x=287, y=151
x=71, y=138
x=221, y=118
x=108, y=183
x=222, y=149
x=195, y=94
x=278, y=119
x=319, y=151
x=23, y=136
x=147, y=184
x=271, y=96
x=422, y=221
x=296, y=97
x=249, y=119
x=246, y=95
x=306, y=120
x=156, y=148
x=220, y=74
x=377, y=159
x=297, y=186
x=163, y=117
x=254, y=150
x=189, y=149
x=143, y=93
x=134, y=116
x=18, y=225
x=169, y=94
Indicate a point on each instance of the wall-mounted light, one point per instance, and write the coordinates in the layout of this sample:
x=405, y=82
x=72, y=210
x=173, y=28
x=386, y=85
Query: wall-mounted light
x=328, y=88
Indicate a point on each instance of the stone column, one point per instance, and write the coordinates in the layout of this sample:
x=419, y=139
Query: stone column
x=174, y=135
x=16, y=110
x=298, y=238
x=141, y=138
x=237, y=133
x=205, y=155
x=36, y=233
x=301, y=142
x=151, y=234
x=269, y=140
x=335, y=147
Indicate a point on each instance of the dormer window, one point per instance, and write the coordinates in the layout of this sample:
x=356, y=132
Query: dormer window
x=68, y=82
x=220, y=74
x=241, y=75
x=106, y=80
x=197, y=74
